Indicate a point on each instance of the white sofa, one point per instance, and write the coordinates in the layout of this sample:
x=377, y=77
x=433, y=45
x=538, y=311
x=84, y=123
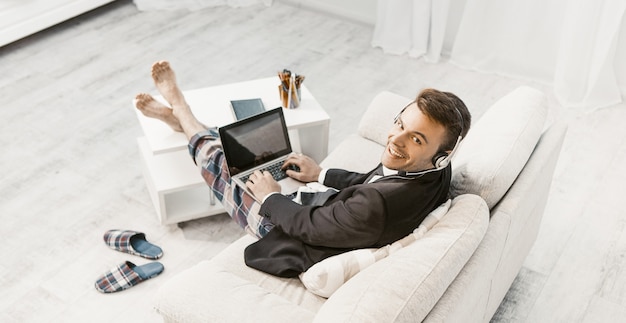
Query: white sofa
x=459, y=271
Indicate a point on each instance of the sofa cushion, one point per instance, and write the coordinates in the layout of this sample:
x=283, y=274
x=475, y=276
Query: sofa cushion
x=498, y=145
x=208, y=292
x=326, y=276
x=404, y=286
x=231, y=260
x=378, y=117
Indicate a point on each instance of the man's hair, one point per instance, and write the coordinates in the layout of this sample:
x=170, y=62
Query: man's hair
x=448, y=110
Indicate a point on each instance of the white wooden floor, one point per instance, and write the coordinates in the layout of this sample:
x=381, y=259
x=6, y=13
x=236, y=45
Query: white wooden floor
x=70, y=169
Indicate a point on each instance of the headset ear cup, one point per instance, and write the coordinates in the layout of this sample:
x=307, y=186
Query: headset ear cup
x=440, y=160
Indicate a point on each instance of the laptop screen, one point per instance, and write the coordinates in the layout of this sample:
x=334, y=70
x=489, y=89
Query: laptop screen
x=254, y=141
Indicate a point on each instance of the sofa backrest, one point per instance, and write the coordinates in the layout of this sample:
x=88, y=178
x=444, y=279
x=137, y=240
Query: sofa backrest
x=522, y=208
x=498, y=146
x=478, y=290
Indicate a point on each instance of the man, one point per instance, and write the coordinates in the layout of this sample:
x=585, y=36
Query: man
x=367, y=210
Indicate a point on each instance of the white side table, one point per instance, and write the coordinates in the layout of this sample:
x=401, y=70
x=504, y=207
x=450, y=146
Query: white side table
x=176, y=188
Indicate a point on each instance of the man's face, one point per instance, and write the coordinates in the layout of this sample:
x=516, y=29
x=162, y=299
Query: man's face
x=413, y=141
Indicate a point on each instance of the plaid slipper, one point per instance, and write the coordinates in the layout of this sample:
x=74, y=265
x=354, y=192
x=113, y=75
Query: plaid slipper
x=127, y=275
x=132, y=242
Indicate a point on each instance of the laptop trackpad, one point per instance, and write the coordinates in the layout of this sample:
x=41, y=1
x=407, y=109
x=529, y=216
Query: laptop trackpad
x=289, y=185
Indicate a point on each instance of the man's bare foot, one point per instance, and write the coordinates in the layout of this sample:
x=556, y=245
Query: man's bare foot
x=154, y=109
x=165, y=81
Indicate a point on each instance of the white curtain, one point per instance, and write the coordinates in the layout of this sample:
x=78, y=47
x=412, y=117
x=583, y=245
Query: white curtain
x=570, y=44
x=150, y=5
x=416, y=27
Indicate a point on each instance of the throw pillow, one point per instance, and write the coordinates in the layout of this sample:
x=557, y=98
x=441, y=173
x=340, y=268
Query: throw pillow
x=326, y=276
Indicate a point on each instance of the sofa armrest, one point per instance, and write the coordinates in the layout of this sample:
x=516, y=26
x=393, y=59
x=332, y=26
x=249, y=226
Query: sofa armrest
x=406, y=285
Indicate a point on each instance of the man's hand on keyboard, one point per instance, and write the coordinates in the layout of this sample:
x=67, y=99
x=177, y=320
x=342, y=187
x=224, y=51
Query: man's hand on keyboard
x=262, y=184
x=307, y=170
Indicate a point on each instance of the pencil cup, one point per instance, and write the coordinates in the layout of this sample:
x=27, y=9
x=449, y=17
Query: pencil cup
x=289, y=102
x=289, y=89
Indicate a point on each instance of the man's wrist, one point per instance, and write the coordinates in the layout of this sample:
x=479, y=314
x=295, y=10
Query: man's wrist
x=322, y=176
x=267, y=196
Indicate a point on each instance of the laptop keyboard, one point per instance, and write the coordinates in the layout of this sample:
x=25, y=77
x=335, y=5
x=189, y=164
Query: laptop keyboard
x=274, y=169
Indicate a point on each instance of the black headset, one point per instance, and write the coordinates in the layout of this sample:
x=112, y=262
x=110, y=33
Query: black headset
x=441, y=159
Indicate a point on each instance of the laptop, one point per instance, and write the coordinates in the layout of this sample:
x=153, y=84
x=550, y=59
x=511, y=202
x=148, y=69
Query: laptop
x=260, y=142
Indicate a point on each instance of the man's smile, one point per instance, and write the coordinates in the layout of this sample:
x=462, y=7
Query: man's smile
x=395, y=153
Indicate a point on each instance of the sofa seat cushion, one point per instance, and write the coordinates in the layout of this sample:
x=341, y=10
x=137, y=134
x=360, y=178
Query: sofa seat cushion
x=498, y=145
x=404, y=286
x=231, y=260
x=224, y=289
x=210, y=293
